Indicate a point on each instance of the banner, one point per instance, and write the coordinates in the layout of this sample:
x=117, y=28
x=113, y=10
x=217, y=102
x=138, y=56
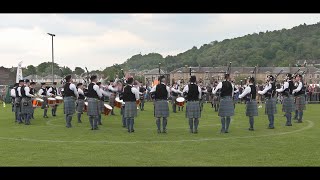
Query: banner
x=19, y=72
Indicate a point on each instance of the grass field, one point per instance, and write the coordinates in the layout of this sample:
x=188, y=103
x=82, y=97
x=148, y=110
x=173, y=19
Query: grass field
x=48, y=143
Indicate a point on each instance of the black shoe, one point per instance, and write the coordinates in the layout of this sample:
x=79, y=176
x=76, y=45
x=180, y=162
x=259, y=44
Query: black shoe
x=91, y=128
x=132, y=130
x=164, y=131
x=54, y=115
x=45, y=116
x=96, y=128
x=270, y=127
x=226, y=131
x=299, y=121
x=195, y=132
x=159, y=131
x=79, y=121
x=288, y=124
x=251, y=129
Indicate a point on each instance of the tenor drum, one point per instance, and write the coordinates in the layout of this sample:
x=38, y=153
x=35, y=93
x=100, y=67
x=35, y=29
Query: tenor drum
x=180, y=101
x=85, y=107
x=138, y=102
x=59, y=99
x=118, y=102
x=51, y=101
x=107, y=109
x=37, y=102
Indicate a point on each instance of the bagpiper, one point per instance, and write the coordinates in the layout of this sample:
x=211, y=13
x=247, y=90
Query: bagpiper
x=70, y=95
x=94, y=94
x=80, y=101
x=299, y=94
x=26, y=104
x=43, y=94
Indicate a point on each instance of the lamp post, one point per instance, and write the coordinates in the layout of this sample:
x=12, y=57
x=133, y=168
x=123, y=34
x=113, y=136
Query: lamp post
x=52, y=35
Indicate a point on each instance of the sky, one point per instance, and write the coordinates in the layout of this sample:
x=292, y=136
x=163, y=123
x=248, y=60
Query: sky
x=97, y=41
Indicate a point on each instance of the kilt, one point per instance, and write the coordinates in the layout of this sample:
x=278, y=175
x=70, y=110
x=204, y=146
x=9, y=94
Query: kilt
x=101, y=106
x=28, y=108
x=174, y=98
x=216, y=100
x=44, y=103
x=251, y=108
x=93, y=107
x=17, y=105
x=130, y=109
x=193, y=109
x=69, y=105
x=300, y=103
x=226, y=107
x=288, y=104
x=80, y=105
x=112, y=99
x=161, y=108
x=271, y=106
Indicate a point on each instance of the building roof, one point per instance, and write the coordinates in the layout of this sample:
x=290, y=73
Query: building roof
x=155, y=72
x=50, y=77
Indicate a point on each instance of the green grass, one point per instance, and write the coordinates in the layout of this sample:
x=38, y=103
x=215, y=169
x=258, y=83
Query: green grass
x=48, y=143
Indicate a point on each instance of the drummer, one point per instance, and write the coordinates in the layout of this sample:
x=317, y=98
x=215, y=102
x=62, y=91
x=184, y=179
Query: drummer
x=53, y=92
x=70, y=93
x=175, y=92
x=101, y=101
x=80, y=101
x=142, y=93
x=32, y=92
x=43, y=94
x=113, y=90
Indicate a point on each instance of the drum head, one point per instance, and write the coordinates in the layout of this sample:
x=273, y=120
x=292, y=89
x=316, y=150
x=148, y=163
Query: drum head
x=59, y=98
x=51, y=99
x=118, y=100
x=108, y=106
x=86, y=103
x=180, y=99
x=39, y=99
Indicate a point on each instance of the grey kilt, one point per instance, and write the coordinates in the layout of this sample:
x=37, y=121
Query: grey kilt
x=26, y=109
x=80, y=105
x=69, y=105
x=251, y=108
x=101, y=106
x=226, y=106
x=216, y=99
x=44, y=103
x=161, y=108
x=17, y=105
x=112, y=99
x=93, y=107
x=130, y=109
x=193, y=109
x=271, y=106
x=288, y=104
x=300, y=103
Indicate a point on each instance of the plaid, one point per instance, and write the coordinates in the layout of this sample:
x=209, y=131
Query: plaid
x=226, y=106
x=288, y=104
x=161, y=108
x=44, y=103
x=17, y=107
x=79, y=105
x=271, y=106
x=69, y=105
x=112, y=99
x=26, y=109
x=216, y=99
x=251, y=108
x=300, y=103
x=130, y=109
x=193, y=109
x=93, y=107
x=101, y=106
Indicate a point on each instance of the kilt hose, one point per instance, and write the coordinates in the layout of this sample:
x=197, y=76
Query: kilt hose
x=44, y=103
x=271, y=106
x=193, y=109
x=26, y=106
x=161, y=108
x=251, y=108
x=80, y=105
x=69, y=105
x=130, y=109
x=300, y=103
x=226, y=106
x=93, y=108
x=288, y=104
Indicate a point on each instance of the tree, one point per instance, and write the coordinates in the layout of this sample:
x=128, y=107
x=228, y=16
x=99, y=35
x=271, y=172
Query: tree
x=78, y=71
x=30, y=70
x=66, y=70
x=45, y=67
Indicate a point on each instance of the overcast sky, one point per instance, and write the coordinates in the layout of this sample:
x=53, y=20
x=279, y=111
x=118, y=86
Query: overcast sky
x=100, y=40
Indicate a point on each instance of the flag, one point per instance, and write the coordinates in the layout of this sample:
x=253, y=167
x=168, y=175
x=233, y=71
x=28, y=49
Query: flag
x=19, y=72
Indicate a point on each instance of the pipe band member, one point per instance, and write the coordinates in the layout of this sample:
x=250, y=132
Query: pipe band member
x=26, y=104
x=226, y=109
x=33, y=92
x=299, y=94
x=175, y=94
x=161, y=94
x=249, y=94
x=113, y=90
x=43, y=94
x=14, y=96
x=193, y=108
x=70, y=95
x=288, y=101
x=94, y=94
x=53, y=92
x=18, y=102
x=80, y=102
x=130, y=96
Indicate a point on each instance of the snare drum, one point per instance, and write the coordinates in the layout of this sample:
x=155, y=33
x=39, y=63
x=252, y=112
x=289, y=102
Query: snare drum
x=118, y=102
x=107, y=109
x=138, y=101
x=59, y=99
x=37, y=102
x=51, y=101
x=85, y=107
x=180, y=101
